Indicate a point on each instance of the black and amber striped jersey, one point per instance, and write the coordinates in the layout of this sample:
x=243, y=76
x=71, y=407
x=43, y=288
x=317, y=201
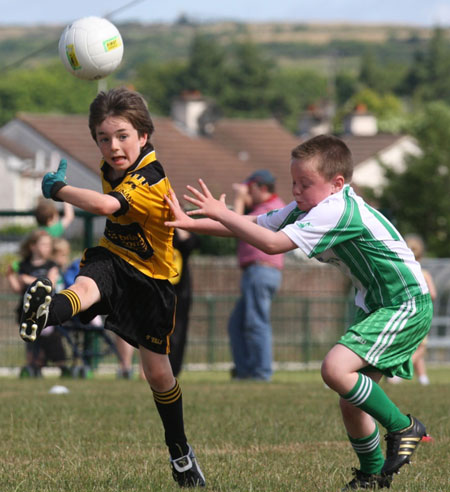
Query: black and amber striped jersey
x=136, y=232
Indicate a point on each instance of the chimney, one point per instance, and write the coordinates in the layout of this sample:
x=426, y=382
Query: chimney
x=315, y=121
x=361, y=123
x=187, y=110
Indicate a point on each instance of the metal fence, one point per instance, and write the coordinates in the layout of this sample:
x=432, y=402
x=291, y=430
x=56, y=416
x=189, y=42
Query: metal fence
x=300, y=333
x=309, y=313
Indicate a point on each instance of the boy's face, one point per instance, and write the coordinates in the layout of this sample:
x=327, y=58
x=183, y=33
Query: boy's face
x=119, y=143
x=309, y=187
x=61, y=257
x=42, y=248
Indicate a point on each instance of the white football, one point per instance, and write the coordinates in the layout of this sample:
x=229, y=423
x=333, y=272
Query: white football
x=58, y=390
x=91, y=48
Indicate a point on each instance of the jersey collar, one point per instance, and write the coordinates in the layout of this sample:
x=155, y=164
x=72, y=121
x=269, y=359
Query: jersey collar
x=145, y=157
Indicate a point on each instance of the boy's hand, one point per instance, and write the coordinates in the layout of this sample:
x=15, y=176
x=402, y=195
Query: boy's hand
x=53, y=182
x=180, y=219
x=206, y=203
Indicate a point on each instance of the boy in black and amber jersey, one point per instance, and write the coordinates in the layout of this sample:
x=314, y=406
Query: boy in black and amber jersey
x=136, y=232
x=126, y=277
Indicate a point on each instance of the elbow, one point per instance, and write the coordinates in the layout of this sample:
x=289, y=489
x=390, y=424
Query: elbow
x=271, y=249
x=105, y=209
x=102, y=211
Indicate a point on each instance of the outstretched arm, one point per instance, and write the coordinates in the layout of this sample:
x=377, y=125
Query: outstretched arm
x=89, y=200
x=54, y=186
x=201, y=226
x=247, y=230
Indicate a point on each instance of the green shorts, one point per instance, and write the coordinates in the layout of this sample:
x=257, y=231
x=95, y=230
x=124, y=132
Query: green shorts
x=387, y=338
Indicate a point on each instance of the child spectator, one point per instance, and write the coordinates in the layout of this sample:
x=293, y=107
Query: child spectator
x=417, y=246
x=36, y=253
x=61, y=256
x=47, y=217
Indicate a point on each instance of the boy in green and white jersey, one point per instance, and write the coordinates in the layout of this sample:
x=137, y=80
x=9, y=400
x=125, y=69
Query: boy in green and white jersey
x=328, y=221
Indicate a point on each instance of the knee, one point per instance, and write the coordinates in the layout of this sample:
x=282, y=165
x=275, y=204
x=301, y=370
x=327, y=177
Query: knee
x=329, y=372
x=159, y=378
x=153, y=375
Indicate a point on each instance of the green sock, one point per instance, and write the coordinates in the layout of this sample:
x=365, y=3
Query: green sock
x=368, y=395
x=369, y=452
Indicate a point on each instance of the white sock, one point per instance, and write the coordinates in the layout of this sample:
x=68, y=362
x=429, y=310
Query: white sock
x=423, y=379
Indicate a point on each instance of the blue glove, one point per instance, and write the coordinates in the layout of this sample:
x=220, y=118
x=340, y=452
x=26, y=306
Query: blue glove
x=53, y=182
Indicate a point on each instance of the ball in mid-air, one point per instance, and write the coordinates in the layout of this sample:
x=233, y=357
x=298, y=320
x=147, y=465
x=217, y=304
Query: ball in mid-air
x=91, y=48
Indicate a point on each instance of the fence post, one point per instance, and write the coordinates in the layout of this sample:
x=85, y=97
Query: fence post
x=91, y=340
x=307, y=330
x=88, y=221
x=211, y=306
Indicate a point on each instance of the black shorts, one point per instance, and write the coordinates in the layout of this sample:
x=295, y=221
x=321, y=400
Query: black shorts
x=138, y=308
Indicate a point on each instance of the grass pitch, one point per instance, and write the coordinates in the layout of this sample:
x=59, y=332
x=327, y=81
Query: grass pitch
x=105, y=435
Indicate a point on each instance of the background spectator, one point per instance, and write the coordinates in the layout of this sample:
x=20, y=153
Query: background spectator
x=36, y=261
x=249, y=326
x=184, y=243
x=48, y=218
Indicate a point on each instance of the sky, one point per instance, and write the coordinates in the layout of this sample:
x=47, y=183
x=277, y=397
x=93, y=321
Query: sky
x=415, y=12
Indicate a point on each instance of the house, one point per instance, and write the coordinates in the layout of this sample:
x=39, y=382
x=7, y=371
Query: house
x=370, y=151
x=18, y=183
x=234, y=150
x=195, y=143
x=370, y=148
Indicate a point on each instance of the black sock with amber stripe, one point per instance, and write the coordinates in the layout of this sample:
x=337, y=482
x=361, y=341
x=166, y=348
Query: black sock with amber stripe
x=64, y=305
x=170, y=408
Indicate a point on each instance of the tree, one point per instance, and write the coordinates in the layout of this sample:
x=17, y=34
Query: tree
x=387, y=108
x=419, y=197
x=381, y=78
x=429, y=76
x=48, y=88
x=292, y=90
x=160, y=84
x=248, y=77
x=346, y=84
x=206, y=68
x=238, y=81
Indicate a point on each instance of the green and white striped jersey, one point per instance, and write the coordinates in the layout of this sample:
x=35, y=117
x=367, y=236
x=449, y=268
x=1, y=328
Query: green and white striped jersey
x=345, y=231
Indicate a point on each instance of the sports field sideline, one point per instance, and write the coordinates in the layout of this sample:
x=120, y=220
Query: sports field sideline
x=105, y=434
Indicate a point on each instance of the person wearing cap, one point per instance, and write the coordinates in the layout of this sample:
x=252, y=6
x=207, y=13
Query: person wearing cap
x=249, y=326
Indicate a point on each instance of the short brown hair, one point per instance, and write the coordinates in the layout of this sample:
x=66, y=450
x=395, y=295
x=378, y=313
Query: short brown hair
x=124, y=103
x=333, y=156
x=45, y=211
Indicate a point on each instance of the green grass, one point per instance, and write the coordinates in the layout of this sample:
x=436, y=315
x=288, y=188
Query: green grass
x=105, y=435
